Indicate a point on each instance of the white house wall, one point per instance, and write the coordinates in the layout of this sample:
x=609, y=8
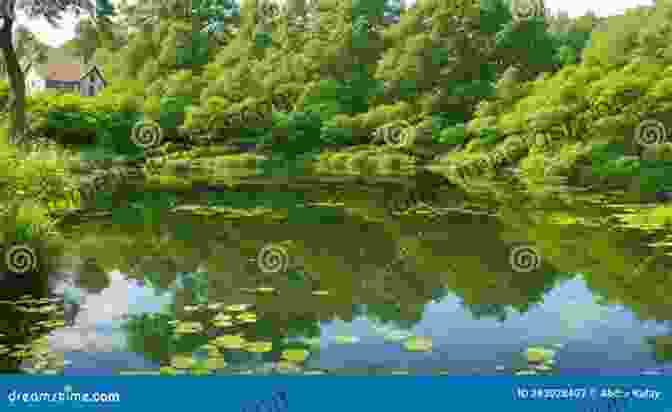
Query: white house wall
x=34, y=83
x=91, y=79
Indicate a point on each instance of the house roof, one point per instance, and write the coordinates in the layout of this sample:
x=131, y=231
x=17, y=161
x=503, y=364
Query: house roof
x=91, y=69
x=66, y=72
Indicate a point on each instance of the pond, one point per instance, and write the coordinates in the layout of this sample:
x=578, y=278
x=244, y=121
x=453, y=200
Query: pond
x=313, y=275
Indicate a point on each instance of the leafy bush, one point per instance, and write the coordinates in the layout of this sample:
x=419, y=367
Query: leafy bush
x=454, y=135
x=296, y=132
x=43, y=177
x=488, y=136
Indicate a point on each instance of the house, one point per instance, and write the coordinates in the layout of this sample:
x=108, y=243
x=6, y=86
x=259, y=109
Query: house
x=87, y=80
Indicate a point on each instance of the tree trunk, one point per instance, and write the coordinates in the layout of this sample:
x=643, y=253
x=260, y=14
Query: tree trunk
x=195, y=41
x=16, y=82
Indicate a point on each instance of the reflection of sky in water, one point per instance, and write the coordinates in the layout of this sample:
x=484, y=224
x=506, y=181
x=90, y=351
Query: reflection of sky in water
x=595, y=337
x=98, y=330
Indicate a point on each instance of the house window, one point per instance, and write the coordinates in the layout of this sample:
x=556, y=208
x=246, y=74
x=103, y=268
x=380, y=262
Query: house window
x=92, y=90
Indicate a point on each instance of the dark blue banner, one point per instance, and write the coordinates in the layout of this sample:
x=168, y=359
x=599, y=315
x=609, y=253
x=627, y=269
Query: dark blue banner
x=328, y=393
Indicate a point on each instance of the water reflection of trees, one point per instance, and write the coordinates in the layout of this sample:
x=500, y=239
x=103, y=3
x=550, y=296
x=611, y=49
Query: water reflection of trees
x=28, y=311
x=618, y=265
x=355, y=255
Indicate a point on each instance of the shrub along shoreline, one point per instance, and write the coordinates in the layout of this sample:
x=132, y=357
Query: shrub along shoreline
x=584, y=101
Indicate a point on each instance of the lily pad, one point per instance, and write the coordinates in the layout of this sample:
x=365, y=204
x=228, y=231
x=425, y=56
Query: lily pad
x=287, y=366
x=397, y=335
x=247, y=317
x=538, y=355
x=201, y=370
x=295, y=355
x=48, y=309
x=186, y=328
x=215, y=363
x=222, y=317
x=168, y=370
x=182, y=362
x=346, y=339
x=20, y=354
x=526, y=372
x=222, y=324
x=230, y=342
x=418, y=344
x=311, y=341
x=259, y=347
x=239, y=308
x=543, y=367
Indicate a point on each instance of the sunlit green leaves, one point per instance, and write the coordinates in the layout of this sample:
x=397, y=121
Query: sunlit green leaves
x=418, y=344
x=295, y=355
x=230, y=342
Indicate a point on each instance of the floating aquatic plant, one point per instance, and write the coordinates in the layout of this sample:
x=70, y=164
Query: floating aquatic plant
x=418, y=344
x=295, y=355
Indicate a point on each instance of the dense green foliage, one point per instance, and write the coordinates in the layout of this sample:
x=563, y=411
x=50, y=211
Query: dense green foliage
x=549, y=91
x=343, y=61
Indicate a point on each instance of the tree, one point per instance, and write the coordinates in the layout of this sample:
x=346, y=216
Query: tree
x=104, y=9
x=29, y=50
x=86, y=40
x=50, y=10
x=440, y=55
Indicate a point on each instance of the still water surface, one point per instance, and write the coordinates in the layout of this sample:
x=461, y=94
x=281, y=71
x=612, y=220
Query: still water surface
x=366, y=279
